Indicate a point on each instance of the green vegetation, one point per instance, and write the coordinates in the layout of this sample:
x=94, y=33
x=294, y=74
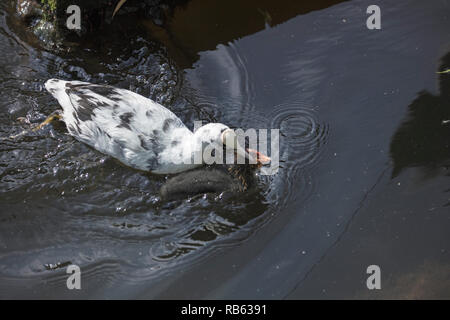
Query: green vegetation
x=51, y=4
x=49, y=10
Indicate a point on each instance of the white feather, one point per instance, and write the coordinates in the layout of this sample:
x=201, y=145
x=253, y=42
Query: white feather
x=138, y=131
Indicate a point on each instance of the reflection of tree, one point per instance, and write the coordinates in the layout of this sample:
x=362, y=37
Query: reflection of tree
x=424, y=138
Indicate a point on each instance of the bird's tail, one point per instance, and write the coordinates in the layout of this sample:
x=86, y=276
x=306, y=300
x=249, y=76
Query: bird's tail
x=57, y=88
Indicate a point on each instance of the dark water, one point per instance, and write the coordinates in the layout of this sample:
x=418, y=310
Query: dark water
x=364, y=155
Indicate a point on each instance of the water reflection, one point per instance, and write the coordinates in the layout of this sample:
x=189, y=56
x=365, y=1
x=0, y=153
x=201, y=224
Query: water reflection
x=423, y=140
x=202, y=25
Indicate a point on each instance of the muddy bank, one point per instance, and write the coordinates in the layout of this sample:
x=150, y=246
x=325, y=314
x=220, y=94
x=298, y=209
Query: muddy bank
x=56, y=23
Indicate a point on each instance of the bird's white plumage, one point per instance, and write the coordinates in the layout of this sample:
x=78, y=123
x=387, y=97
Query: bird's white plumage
x=138, y=131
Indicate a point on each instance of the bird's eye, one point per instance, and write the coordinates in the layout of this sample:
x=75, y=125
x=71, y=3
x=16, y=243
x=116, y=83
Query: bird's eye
x=230, y=139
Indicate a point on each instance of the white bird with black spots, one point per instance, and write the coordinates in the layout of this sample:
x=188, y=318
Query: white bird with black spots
x=136, y=130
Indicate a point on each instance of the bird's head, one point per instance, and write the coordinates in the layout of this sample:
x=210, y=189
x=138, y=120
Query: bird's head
x=221, y=137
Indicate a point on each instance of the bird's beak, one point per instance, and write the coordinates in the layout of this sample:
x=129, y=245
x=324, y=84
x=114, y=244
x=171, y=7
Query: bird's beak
x=254, y=156
x=261, y=159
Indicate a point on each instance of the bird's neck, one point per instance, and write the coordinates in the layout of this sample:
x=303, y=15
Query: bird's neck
x=185, y=152
x=198, y=151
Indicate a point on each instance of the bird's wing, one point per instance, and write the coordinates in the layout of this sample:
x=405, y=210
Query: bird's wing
x=118, y=122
